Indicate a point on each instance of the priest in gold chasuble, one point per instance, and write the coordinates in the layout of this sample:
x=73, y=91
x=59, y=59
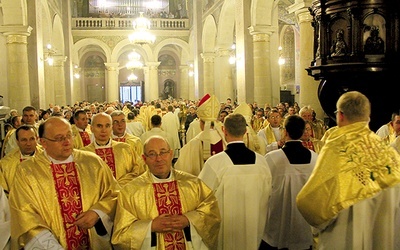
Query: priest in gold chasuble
x=165, y=208
x=62, y=197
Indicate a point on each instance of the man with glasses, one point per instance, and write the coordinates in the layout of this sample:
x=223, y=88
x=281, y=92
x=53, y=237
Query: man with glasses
x=27, y=147
x=62, y=198
x=165, y=208
x=120, y=134
x=273, y=133
x=353, y=193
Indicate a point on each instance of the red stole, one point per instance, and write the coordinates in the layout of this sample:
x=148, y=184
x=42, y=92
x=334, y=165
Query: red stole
x=70, y=200
x=85, y=137
x=169, y=202
x=107, y=155
x=308, y=144
x=120, y=139
x=217, y=147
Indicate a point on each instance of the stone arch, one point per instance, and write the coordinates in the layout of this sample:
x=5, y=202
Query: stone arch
x=89, y=44
x=178, y=42
x=58, y=35
x=288, y=44
x=145, y=51
x=209, y=34
x=226, y=26
x=11, y=15
x=263, y=12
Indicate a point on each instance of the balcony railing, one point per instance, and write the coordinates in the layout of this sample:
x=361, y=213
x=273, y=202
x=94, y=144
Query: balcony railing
x=127, y=23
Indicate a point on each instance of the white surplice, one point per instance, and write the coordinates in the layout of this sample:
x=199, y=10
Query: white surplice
x=242, y=192
x=286, y=227
x=373, y=223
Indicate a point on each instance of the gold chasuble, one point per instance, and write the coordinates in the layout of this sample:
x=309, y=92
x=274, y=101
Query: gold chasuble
x=69, y=196
x=146, y=197
x=169, y=202
x=120, y=139
x=107, y=155
x=85, y=137
x=269, y=134
x=353, y=165
x=49, y=195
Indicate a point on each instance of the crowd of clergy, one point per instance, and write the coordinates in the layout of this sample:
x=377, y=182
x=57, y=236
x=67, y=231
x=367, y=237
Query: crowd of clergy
x=204, y=174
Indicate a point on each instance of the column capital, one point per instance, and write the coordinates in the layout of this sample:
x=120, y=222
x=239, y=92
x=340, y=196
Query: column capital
x=153, y=65
x=221, y=52
x=301, y=9
x=262, y=29
x=261, y=37
x=8, y=30
x=208, y=56
x=112, y=66
x=299, y=5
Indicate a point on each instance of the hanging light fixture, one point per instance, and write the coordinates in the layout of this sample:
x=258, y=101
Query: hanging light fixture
x=134, y=61
x=141, y=35
x=49, y=54
x=132, y=77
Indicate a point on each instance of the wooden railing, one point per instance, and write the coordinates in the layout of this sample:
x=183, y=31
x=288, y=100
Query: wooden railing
x=127, y=23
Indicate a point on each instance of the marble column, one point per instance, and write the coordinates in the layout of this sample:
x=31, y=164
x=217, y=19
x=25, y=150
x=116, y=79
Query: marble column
x=49, y=92
x=244, y=52
x=308, y=86
x=151, y=91
x=59, y=80
x=76, y=91
x=208, y=72
x=112, y=85
x=193, y=91
x=263, y=88
x=184, y=82
x=224, y=80
x=19, y=94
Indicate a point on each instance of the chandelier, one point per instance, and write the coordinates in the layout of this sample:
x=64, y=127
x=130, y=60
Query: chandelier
x=132, y=77
x=141, y=35
x=134, y=61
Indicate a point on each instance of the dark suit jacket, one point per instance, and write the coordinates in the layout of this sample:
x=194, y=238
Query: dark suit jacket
x=296, y=152
x=240, y=154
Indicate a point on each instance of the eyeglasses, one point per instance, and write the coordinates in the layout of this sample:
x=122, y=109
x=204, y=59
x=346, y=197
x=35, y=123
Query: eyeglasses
x=275, y=117
x=153, y=155
x=60, y=139
x=338, y=111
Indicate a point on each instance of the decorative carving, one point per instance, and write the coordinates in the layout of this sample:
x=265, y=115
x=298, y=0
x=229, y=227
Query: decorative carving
x=374, y=43
x=339, y=46
x=166, y=72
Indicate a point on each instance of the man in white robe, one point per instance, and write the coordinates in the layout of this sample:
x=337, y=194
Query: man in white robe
x=5, y=231
x=171, y=125
x=272, y=134
x=291, y=166
x=241, y=180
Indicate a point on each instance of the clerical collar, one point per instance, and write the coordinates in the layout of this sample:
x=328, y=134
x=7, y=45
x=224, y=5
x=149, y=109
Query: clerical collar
x=115, y=136
x=80, y=130
x=232, y=142
x=158, y=180
x=107, y=145
x=68, y=160
x=27, y=156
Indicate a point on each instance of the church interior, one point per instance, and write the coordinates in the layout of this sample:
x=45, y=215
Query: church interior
x=263, y=51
